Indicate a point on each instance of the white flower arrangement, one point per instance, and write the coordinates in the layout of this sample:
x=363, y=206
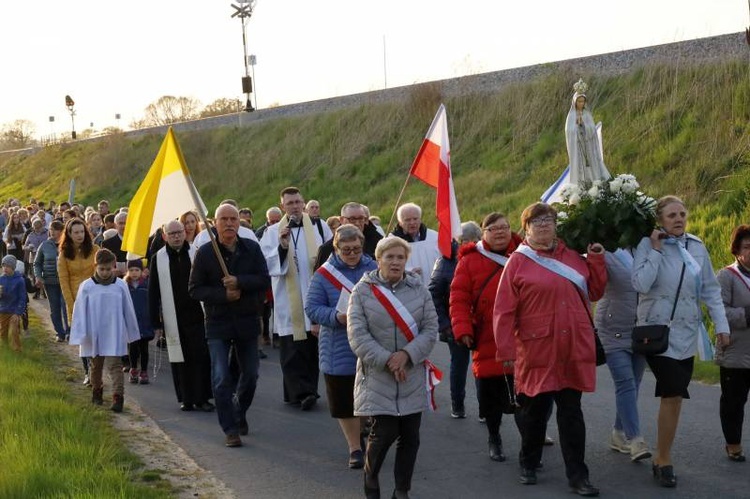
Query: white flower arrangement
x=613, y=212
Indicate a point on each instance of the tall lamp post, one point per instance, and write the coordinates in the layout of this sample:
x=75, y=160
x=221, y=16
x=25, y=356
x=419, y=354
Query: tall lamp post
x=69, y=103
x=244, y=11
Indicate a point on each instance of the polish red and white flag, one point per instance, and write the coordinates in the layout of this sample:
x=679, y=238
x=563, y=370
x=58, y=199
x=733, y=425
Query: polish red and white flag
x=433, y=167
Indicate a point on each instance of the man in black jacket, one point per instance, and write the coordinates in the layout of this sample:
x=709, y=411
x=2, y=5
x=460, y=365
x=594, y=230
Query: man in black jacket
x=232, y=301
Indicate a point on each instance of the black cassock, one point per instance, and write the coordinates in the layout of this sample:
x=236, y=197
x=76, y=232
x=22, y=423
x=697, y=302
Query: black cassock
x=192, y=378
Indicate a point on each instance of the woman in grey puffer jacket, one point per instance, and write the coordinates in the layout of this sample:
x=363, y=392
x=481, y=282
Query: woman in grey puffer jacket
x=390, y=382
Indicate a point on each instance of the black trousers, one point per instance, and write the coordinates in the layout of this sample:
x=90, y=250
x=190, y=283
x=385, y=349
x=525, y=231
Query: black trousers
x=735, y=384
x=299, y=365
x=495, y=395
x=138, y=350
x=404, y=430
x=533, y=418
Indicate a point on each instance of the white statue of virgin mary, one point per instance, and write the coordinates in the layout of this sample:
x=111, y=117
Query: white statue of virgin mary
x=583, y=140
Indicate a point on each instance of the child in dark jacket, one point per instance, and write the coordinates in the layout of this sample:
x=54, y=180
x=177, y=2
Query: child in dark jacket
x=12, y=302
x=138, y=286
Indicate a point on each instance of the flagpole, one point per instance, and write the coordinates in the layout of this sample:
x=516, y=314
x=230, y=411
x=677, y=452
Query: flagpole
x=198, y=208
x=400, y=195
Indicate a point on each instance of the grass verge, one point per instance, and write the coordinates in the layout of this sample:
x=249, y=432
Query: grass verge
x=53, y=443
x=706, y=372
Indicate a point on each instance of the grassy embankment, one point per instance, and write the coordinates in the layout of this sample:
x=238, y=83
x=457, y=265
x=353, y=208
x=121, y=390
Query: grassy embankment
x=53, y=442
x=680, y=129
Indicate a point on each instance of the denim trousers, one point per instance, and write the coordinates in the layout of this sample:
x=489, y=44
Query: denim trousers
x=460, y=358
x=56, y=308
x=627, y=371
x=233, y=396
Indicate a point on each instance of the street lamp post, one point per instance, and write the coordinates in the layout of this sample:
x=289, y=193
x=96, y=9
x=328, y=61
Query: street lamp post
x=244, y=11
x=69, y=103
x=252, y=62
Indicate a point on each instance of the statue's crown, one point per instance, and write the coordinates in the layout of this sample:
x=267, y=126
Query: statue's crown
x=580, y=86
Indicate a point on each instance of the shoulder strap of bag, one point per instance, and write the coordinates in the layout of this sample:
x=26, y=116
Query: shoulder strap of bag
x=484, y=285
x=679, y=286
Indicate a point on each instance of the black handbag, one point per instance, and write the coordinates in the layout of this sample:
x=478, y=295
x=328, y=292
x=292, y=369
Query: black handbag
x=653, y=339
x=601, y=355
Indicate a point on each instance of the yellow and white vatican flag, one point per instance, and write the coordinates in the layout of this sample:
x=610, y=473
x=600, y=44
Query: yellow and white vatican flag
x=166, y=193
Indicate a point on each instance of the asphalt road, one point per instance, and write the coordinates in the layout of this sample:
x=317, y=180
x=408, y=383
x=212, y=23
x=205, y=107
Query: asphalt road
x=290, y=453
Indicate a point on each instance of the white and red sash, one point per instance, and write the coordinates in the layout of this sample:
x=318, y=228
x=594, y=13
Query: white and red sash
x=340, y=282
x=736, y=270
x=335, y=277
x=408, y=327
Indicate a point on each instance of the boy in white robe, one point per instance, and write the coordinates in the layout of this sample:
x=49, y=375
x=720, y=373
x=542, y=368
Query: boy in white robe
x=104, y=322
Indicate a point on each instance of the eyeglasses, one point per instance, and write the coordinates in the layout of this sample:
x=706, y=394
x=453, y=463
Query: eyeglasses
x=176, y=233
x=351, y=251
x=497, y=228
x=356, y=219
x=539, y=221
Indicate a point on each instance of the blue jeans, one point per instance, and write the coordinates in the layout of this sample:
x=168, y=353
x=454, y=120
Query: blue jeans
x=627, y=370
x=56, y=309
x=460, y=358
x=233, y=396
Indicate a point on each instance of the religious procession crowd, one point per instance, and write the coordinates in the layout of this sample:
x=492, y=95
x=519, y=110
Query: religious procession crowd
x=365, y=308
x=337, y=296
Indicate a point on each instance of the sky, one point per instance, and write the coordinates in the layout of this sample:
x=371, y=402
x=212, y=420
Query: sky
x=118, y=57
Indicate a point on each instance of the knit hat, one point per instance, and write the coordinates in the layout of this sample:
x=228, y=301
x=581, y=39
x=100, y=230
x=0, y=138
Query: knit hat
x=9, y=261
x=138, y=264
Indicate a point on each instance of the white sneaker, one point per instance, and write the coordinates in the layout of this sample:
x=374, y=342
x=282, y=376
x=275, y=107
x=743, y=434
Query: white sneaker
x=619, y=442
x=639, y=449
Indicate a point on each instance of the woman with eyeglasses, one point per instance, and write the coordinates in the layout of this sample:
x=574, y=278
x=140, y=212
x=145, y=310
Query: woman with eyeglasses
x=326, y=304
x=472, y=300
x=543, y=328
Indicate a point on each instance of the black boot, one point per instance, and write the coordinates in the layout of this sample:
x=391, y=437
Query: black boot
x=496, y=448
x=97, y=396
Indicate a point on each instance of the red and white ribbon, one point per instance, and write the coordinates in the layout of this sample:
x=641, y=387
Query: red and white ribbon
x=408, y=327
x=335, y=277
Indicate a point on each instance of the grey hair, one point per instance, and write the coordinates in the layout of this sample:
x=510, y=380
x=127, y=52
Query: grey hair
x=122, y=216
x=273, y=209
x=216, y=213
x=407, y=207
x=470, y=232
x=351, y=205
x=348, y=232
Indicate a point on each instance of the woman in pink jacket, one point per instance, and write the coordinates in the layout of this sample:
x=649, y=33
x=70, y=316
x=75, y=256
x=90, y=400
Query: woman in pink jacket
x=542, y=323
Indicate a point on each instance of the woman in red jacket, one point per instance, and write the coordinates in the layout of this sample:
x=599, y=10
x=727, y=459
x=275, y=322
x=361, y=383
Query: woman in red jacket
x=542, y=322
x=472, y=300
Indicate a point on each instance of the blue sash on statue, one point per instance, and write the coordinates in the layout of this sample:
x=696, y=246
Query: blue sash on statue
x=557, y=267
